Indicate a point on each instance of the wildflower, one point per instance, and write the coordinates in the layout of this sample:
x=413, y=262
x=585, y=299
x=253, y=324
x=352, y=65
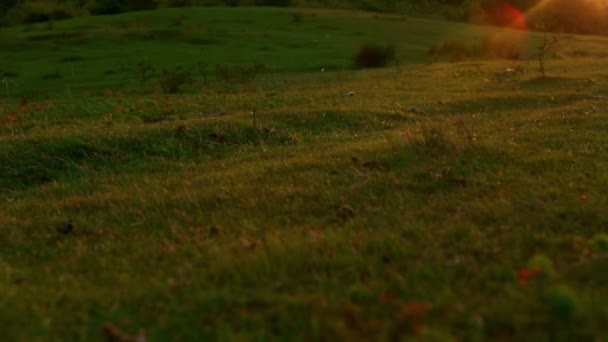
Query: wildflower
x=525, y=274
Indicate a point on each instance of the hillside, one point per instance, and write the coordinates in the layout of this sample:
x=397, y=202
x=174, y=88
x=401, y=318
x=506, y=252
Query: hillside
x=130, y=52
x=428, y=201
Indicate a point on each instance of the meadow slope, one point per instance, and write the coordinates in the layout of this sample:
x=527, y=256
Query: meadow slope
x=130, y=52
x=447, y=201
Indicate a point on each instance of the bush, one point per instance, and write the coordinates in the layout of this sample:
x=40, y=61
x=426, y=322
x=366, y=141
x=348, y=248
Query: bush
x=140, y=5
x=8, y=74
x=144, y=72
x=172, y=81
x=374, y=55
x=118, y=6
x=106, y=7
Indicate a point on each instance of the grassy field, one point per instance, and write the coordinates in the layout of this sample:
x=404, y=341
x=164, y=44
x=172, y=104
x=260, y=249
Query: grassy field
x=435, y=202
x=130, y=52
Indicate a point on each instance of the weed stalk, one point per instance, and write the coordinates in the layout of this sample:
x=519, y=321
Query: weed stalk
x=255, y=121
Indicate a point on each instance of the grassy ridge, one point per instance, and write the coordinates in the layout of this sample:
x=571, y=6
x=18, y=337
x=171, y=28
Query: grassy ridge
x=439, y=202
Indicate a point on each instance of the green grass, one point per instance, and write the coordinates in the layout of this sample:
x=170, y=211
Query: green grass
x=333, y=217
x=87, y=54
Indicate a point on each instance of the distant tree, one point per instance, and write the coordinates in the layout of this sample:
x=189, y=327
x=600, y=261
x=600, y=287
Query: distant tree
x=546, y=47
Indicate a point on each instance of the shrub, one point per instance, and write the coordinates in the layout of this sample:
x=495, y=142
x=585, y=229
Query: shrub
x=144, y=72
x=172, y=81
x=119, y=6
x=600, y=242
x=8, y=74
x=139, y=5
x=374, y=55
x=106, y=7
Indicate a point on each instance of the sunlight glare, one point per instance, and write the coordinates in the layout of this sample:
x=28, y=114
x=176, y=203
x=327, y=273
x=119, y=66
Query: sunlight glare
x=506, y=15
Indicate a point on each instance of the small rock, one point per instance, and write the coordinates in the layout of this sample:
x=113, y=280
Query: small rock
x=65, y=227
x=346, y=212
x=115, y=334
x=213, y=231
x=350, y=93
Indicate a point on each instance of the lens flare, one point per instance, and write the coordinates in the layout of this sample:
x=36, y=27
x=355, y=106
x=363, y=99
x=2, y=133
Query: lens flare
x=505, y=15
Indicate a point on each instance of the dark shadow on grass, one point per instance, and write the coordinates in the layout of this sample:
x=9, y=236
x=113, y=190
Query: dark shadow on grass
x=29, y=163
x=554, y=83
x=77, y=35
x=382, y=178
